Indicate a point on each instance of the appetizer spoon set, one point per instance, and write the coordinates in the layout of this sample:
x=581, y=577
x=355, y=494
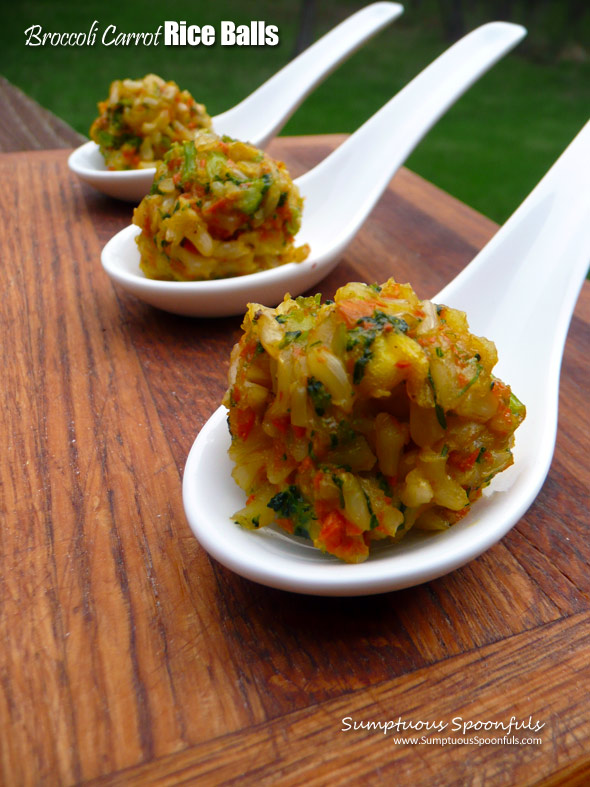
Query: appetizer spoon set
x=260, y=116
x=339, y=193
x=533, y=267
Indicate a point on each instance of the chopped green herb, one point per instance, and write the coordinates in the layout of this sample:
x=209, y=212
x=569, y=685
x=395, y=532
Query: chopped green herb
x=440, y=413
x=253, y=194
x=346, y=432
x=106, y=139
x=339, y=483
x=364, y=334
x=215, y=165
x=291, y=504
x=359, y=365
x=473, y=379
x=189, y=165
x=117, y=118
x=381, y=319
x=384, y=485
x=289, y=338
x=516, y=406
x=319, y=395
x=374, y=522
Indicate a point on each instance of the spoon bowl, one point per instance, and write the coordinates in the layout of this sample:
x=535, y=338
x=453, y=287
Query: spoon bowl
x=260, y=116
x=339, y=193
x=520, y=291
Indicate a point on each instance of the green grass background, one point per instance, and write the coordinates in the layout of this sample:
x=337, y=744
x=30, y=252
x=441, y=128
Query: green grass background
x=489, y=150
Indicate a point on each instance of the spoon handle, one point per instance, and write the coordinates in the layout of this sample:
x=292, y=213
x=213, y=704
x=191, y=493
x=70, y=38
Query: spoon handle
x=260, y=116
x=532, y=270
x=364, y=164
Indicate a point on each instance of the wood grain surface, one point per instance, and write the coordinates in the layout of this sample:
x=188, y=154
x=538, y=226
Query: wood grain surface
x=130, y=657
x=25, y=125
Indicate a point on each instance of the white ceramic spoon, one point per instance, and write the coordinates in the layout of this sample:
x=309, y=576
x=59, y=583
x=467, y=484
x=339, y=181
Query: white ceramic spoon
x=520, y=291
x=260, y=116
x=339, y=193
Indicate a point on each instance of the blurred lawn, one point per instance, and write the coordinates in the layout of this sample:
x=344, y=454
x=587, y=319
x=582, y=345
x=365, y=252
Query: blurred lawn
x=489, y=150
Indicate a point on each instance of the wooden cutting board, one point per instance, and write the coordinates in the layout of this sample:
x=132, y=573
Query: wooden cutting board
x=128, y=656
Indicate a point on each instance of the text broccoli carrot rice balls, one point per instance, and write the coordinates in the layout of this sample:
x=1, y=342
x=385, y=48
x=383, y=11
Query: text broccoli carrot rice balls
x=218, y=208
x=355, y=420
x=140, y=120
